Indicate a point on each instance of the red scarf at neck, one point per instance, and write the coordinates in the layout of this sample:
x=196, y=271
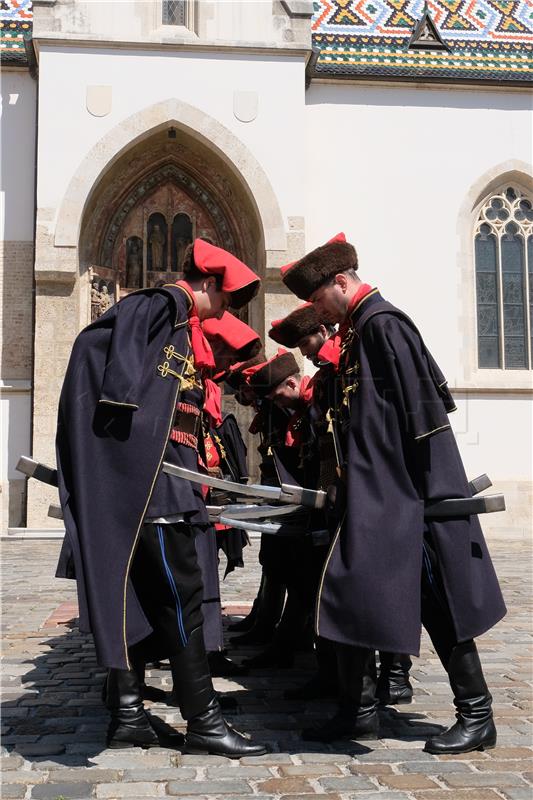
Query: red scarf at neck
x=204, y=360
x=293, y=435
x=331, y=349
x=363, y=290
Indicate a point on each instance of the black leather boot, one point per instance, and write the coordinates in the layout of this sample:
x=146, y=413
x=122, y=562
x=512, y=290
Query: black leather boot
x=474, y=729
x=222, y=666
x=276, y=656
x=325, y=682
x=146, y=692
x=129, y=725
x=271, y=600
x=357, y=716
x=248, y=622
x=394, y=687
x=207, y=731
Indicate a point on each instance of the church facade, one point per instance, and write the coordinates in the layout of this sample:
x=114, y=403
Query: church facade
x=267, y=127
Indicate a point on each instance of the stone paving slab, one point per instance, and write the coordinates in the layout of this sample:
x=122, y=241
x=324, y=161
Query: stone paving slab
x=54, y=724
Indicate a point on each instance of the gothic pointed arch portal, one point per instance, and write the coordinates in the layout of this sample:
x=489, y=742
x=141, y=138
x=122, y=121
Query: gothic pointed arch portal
x=155, y=199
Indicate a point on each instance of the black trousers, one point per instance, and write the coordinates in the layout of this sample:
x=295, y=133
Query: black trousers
x=436, y=615
x=207, y=554
x=168, y=582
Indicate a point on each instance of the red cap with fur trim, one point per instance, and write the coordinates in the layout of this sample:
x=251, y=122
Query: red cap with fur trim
x=305, y=276
x=234, y=334
x=299, y=323
x=237, y=279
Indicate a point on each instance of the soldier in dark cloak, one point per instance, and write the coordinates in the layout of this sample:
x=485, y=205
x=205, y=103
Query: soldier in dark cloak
x=293, y=559
x=388, y=571
x=231, y=340
x=259, y=625
x=303, y=328
x=135, y=392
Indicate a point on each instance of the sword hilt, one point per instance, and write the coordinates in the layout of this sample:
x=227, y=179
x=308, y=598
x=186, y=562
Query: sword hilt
x=33, y=469
x=310, y=498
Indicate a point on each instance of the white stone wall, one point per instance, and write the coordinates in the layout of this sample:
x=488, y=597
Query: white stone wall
x=402, y=171
x=209, y=82
x=17, y=137
x=231, y=22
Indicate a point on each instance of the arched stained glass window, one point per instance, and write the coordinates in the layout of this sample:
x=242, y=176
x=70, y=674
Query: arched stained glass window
x=503, y=248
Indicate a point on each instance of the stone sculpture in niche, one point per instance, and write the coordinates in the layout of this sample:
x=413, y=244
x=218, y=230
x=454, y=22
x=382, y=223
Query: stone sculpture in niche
x=102, y=297
x=96, y=298
x=182, y=236
x=134, y=263
x=157, y=243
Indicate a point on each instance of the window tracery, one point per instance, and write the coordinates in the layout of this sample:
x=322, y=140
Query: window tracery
x=503, y=248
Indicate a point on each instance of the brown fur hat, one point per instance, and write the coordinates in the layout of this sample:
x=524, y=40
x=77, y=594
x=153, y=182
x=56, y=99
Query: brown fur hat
x=264, y=380
x=305, y=276
x=292, y=328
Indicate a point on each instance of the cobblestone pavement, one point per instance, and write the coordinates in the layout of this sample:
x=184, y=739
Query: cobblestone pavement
x=53, y=721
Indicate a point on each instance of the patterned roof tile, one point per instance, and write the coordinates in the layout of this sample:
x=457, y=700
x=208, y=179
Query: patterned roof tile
x=487, y=40
x=16, y=20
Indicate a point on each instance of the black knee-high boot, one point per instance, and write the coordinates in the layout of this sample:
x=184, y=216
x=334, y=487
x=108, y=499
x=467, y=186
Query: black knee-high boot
x=129, y=724
x=270, y=607
x=394, y=687
x=474, y=729
x=324, y=682
x=357, y=716
x=207, y=730
x=246, y=624
x=146, y=692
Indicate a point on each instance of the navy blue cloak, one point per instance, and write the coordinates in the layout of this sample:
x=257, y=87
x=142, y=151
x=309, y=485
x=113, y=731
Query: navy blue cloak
x=115, y=414
x=391, y=415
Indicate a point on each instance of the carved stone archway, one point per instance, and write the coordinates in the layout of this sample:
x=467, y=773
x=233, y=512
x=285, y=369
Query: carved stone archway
x=162, y=193
x=194, y=123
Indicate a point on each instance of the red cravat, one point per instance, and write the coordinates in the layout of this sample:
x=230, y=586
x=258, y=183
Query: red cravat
x=363, y=290
x=293, y=435
x=204, y=360
x=331, y=350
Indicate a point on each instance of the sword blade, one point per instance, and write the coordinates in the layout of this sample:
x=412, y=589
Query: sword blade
x=268, y=492
x=258, y=511
x=264, y=527
x=286, y=493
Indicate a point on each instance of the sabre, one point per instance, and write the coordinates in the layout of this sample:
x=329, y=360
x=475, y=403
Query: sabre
x=300, y=497
x=241, y=511
x=285, y=493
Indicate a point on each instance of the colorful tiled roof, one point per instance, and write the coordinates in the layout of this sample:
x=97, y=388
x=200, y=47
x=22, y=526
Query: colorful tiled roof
x=481, y=40
x=16, y=19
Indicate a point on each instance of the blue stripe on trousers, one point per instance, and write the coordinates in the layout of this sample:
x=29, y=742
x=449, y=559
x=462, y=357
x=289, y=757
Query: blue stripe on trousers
x=172, y=584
